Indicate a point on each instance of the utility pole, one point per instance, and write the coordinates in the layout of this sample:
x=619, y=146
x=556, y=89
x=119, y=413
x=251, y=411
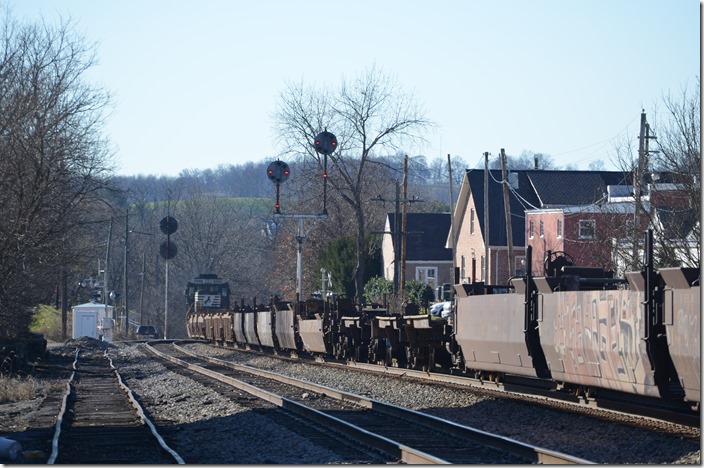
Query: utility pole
x=455, y=279
x=397, y=238
x=141, y=291
x=637, y=184
x=402, y=280
x=124, y=271
x=395, y=232
x=64, y=303
x=106, y=297
x=507, y=212
x=486, y=218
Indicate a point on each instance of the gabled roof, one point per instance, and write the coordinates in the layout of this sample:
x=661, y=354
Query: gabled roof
x=531, y=189
x=564, y=188
x=426, y=236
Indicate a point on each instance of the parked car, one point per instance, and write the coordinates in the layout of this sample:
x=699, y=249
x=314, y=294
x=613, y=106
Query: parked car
x=147, y=331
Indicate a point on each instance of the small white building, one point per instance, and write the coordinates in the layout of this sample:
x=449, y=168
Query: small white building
x=88, y=317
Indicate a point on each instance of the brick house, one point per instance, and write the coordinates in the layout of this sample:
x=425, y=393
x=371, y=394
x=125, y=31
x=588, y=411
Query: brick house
x=600, y=234
x=529, y=190
x=585, y=232
x=427, y=258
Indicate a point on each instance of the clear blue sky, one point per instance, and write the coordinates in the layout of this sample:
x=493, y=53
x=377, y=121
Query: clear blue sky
x=196, y=82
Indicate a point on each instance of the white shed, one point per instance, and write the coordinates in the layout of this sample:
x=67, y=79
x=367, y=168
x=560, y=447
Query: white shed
x=86, y=318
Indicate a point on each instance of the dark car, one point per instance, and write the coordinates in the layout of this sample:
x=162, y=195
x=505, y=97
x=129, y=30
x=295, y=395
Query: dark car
x=147, y=331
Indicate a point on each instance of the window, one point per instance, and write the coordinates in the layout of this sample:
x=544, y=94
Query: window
x=559, y=228
x=542, y=231
x=530, y=229
x=483, y=268
x=471, y=221
x=587, y=228
x=427, y=275
x=520, y=265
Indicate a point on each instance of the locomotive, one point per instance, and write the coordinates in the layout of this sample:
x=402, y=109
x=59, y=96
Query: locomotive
x=207, y=292
x=577, y=328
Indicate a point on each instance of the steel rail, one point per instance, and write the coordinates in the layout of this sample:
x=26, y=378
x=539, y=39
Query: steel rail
x=133, y=402
x=527, y=451
x=143, y=416
x=60, y=417
x=403, y=452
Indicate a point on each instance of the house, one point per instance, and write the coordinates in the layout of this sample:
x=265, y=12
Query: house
x=532, y=189
x=602, y=234
x=427, y=258
x=584, y=232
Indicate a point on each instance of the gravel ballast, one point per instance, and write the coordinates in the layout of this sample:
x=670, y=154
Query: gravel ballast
x=210, y=428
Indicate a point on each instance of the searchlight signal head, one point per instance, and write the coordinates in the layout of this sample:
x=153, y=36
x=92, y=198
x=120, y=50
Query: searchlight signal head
x=278, y=172
x=325, y=143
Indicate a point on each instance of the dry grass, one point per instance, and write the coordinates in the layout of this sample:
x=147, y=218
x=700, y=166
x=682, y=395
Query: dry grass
x=18, y=388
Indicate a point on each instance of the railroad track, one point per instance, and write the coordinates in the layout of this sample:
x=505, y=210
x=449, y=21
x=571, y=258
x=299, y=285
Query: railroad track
x=406, y=436
x=347, y=450
x=537, y=390
x=606, y=400
x=101, y=422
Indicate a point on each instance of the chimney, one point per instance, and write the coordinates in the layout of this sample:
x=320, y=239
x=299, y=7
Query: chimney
x=535, y=160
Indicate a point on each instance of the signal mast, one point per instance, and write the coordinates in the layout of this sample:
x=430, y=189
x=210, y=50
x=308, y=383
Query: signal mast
x=278, y=172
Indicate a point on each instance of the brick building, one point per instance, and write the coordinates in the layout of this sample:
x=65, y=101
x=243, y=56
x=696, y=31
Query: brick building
x=529, y=190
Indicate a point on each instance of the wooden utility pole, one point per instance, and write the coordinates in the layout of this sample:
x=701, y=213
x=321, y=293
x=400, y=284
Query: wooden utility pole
x=125, y=271
x=486, y=218
x=452, y=223
x=64, y=303
x=397, y=238
x=507, y=212
x=106, y=295
x=637, y=184
x=402, y=279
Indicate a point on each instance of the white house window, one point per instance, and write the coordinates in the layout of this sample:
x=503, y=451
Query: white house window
x=530, y=229
x=587, y=228
x=471, y=221
x=542, y=230
x=427, y=275
x=559, y=228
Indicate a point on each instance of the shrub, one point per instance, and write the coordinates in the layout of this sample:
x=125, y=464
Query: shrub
x=17, y=389
x=47, y=320
x=419, y=293
x=376, y=288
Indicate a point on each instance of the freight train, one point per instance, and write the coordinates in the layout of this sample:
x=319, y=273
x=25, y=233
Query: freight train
x=577, y=328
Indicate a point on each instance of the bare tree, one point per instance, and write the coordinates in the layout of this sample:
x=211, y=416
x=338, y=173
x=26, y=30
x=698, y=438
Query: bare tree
x=368, y=114
x=672, y=172
x=678, y=153
x=54, y=159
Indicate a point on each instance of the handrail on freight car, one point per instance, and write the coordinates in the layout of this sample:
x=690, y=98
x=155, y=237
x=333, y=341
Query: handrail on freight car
x=603, y=281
